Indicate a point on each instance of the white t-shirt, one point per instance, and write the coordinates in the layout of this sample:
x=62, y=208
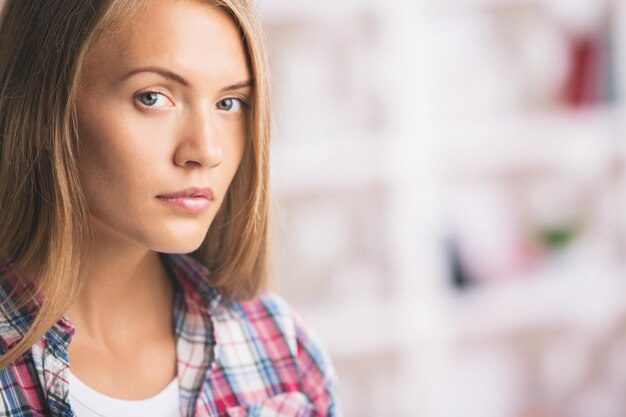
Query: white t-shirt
x=87, y=402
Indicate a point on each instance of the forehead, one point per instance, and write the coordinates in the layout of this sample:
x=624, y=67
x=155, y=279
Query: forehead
x=189, y=36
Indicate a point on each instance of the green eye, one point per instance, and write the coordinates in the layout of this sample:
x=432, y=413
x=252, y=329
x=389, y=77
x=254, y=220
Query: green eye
x=152, y=99
x=230, y=104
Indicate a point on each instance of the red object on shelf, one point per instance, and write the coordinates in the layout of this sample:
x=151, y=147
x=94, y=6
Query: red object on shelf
x=581, y=86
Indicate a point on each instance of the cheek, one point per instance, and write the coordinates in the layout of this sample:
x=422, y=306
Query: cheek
x=106, y=179
x=234, y=153
x=235, y=144
x=114, y=161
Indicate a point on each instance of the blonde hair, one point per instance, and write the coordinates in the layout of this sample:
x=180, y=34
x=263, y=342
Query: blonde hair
x=45, y=224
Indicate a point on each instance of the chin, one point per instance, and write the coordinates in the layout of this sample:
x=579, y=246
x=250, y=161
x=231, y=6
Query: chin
x=179, y=241
x=177, y=247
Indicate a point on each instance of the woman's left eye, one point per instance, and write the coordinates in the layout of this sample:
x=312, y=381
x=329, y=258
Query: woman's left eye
x=230, y=104
x=153, y=99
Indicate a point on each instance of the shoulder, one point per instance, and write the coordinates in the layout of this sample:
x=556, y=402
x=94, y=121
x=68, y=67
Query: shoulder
x=271, y=318
x=267, y=334
x=268, y=315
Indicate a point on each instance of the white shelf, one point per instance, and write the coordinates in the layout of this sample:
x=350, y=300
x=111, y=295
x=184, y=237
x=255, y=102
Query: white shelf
x=569, y=140
x=557, y=298
x=371, y=328
x=554, y=299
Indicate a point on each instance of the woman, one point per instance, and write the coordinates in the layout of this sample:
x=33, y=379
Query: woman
x=127, y=128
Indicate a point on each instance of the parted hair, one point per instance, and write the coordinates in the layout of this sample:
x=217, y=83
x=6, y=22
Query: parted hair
x=45, y=224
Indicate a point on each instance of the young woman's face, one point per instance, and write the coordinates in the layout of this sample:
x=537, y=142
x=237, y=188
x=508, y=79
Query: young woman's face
x=161, y=111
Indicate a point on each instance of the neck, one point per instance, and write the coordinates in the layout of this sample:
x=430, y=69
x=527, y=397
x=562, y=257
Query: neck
x=126, y=293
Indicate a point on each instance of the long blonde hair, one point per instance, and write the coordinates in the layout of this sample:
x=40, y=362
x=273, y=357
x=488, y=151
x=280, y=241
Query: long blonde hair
x=45, y=225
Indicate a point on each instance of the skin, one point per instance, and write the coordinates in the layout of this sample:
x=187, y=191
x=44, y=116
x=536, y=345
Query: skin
x=134, y=146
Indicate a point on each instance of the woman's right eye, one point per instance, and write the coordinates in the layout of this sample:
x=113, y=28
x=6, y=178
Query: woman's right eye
x=153, y=99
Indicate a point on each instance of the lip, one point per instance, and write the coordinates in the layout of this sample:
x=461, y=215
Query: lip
x=193, y=200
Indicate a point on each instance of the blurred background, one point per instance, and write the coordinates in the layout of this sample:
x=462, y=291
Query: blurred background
x=449, y=191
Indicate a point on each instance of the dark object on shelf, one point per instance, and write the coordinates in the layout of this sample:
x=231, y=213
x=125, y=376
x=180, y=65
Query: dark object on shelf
x=459, y=276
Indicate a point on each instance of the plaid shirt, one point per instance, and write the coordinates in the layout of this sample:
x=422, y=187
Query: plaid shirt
x=235, y=359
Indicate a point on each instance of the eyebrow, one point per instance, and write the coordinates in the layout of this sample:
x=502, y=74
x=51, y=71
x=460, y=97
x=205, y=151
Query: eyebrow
x=181, y=80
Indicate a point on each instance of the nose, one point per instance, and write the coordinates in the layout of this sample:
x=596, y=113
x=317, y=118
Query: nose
x=199, y=145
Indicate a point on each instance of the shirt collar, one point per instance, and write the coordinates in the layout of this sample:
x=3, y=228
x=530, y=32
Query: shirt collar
x=193, y=279
x=14, y=321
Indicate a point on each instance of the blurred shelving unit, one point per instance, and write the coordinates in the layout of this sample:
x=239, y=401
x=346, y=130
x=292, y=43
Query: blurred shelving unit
x=345, y=156
x=581, y=292
x=385, y=115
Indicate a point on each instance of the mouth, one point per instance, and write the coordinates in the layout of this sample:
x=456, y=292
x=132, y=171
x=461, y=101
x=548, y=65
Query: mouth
x=204, y=192
x=192, y=200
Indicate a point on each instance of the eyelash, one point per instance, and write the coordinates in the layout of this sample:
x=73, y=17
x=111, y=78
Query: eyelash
x=245, y=102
